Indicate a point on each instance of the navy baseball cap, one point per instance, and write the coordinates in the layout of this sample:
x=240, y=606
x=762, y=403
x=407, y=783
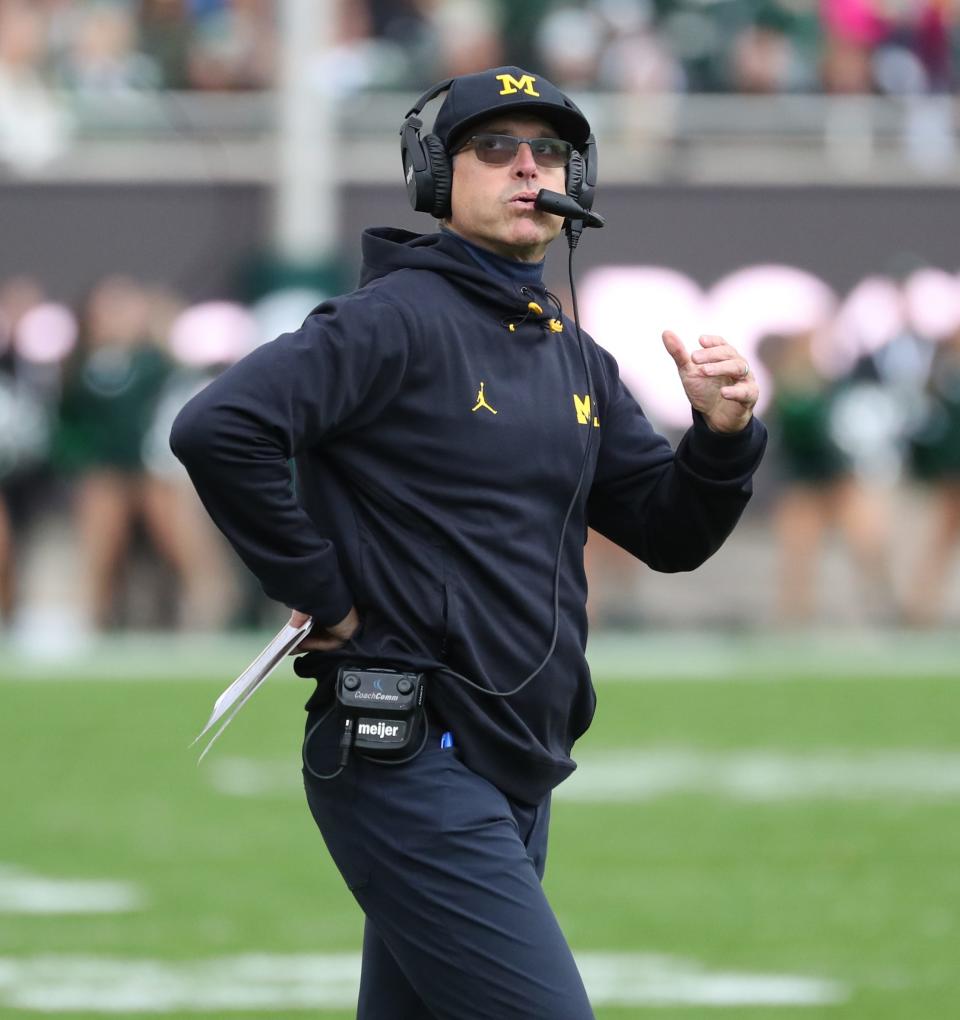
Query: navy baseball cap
x=472, y=98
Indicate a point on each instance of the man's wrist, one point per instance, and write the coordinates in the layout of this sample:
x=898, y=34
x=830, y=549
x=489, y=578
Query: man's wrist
x=331, y=606
x=726, y=431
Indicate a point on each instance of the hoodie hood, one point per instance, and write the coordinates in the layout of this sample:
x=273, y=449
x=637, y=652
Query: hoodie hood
x=388, y=249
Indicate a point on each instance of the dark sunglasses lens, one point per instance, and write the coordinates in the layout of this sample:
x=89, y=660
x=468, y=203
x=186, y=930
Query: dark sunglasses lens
x=551, y=152
x=496, y=149
x=499, y=150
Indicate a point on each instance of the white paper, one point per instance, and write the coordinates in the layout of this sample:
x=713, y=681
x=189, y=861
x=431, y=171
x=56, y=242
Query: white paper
x=239, y=692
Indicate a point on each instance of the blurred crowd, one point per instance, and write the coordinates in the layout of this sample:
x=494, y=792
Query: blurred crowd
x=103, y=47
x=88, y=395
x=754, y=46
x=62, y=62
x=841, y=442
x=861, y=396
x=87, y=398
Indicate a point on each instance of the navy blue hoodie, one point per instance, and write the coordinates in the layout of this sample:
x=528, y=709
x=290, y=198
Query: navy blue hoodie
x=437, y=450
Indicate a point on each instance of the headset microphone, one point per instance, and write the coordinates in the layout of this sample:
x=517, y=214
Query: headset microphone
x=564, y=205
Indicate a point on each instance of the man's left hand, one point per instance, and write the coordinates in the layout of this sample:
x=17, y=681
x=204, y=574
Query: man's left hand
x=325, y=639
x=717, y=380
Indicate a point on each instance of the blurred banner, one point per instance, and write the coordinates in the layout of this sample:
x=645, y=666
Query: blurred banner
x=200, y=237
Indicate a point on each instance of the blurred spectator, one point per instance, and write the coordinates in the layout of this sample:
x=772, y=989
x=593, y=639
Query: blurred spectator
x=638, y=62
x=166, y=31
x=6, y=563
x=657, y=45
x=17, y=296
x=361, y=58
x=519, y=25
x=400, y=20
x=569, y=42
x=103, y=56
x=234, y=46
x=614, y=578
x=467, y=36
x=204, y=339
x=936, y=459
x=33, y=127
x=110, y=396
x=853, y=28
x=776, y=51
x=762, y=60
x=407, y=44
x=892, y=46
x=24, y=435
x=609, y=44
x=820, y=487
x=914, y=57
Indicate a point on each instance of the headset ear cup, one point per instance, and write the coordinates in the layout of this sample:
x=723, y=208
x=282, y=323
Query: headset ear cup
x=441, y=170
x=588, y=185
x=416, y=166
x=575, y=174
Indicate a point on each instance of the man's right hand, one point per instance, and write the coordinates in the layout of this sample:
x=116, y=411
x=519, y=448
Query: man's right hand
x=325, y=639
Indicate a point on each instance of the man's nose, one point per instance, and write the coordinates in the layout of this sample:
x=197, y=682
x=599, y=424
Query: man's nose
x=524, y=164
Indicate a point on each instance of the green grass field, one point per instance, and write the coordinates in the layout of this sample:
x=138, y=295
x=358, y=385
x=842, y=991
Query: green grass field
x=727, y=839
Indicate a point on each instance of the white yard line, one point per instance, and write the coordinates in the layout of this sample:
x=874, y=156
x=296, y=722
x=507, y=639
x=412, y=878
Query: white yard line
x=771, y=657
x=625, y=776
x=22, y=892
x=65, y=984
x=250, y=777
x=614, y=776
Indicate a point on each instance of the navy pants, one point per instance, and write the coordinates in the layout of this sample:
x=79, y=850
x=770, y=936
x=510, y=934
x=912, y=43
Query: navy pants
x=447, y=871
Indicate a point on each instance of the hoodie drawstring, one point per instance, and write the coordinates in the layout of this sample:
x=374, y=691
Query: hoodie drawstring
x=554, y=325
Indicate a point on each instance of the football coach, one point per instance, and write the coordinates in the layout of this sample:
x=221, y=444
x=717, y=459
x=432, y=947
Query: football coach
x=454, y=435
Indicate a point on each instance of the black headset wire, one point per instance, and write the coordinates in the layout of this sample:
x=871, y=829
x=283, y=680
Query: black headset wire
x=572, y=238
x=306, y=740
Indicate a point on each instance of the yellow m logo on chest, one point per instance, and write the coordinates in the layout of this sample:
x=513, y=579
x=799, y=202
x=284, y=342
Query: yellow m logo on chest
x=582, y=407
x=512, y=85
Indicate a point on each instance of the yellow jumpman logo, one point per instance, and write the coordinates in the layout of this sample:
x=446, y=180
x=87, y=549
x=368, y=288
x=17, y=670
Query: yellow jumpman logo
x=482, y=401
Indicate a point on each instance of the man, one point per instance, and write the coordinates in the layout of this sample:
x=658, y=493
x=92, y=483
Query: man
x=439, y=418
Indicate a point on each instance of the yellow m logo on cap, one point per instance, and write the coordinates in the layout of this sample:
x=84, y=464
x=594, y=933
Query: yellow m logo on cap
x=512, y=85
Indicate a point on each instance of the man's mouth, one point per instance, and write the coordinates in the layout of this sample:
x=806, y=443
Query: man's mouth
x=525, y=198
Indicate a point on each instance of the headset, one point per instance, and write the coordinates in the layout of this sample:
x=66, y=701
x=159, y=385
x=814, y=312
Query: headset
x=428, y=169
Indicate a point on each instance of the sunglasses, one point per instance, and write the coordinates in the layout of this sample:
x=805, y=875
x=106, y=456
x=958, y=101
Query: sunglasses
x=501, y=150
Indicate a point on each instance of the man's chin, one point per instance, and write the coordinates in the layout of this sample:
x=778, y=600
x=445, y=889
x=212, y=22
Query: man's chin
x=524, y=240
x=526, y=234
